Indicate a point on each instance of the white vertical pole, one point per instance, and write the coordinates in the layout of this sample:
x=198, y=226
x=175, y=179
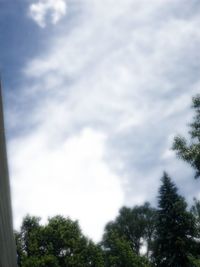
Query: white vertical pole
x=8, y=256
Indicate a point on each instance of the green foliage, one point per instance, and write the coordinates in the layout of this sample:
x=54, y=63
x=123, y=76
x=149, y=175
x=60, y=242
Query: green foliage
x=190, y=151
x=122, y=238
x=150, y=220
x=45, y=261
x=195, y=262
x=119, y=252
x=175, y=228
x=58, y=244
x=134, y=225
x=195, y=210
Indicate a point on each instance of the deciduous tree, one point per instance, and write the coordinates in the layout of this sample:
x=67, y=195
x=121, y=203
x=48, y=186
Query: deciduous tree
x=189, y=151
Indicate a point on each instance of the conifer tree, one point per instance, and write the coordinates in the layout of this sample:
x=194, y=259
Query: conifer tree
x=175, y=227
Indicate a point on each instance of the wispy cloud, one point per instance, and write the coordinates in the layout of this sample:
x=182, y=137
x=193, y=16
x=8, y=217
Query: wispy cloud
x=47, y=11
x=117, y=84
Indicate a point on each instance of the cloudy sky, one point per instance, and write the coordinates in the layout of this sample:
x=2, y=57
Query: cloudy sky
x=94, y=92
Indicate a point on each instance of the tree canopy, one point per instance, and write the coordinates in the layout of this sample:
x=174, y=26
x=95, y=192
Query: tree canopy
x=169, y=234
x=59, y=243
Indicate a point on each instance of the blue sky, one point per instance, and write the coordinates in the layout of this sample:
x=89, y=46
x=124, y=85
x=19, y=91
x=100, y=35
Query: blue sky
x=94, y=93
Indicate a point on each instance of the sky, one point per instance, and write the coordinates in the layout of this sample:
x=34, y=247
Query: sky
x=94, y=93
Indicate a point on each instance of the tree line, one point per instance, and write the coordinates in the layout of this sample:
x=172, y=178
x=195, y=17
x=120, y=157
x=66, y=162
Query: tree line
x=141, y=236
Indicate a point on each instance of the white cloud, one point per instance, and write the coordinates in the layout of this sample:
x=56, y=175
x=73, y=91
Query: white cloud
x=126, y=69
x=45, y=11
x=70, y=178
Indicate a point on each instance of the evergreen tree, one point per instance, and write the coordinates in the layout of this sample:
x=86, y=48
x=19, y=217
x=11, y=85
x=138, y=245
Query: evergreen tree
x=190, y=151
x=195, y=210
x=174, y=229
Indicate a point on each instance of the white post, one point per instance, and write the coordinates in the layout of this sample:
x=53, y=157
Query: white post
x=8, y=255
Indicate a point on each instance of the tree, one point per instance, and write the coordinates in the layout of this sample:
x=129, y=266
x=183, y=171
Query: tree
x=130, y=225
x=135, y=225
x=30, y=235
x=150, y=219
x=30, y=248
x=119, y=252
x=122, y=239
x=19, y=248
x=174, y=229
x=64, y=239
x=59, y=243
x=190, y=151
x=195, y=210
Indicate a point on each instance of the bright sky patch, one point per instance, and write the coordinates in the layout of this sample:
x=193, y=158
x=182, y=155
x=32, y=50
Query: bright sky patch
x=47, y=11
